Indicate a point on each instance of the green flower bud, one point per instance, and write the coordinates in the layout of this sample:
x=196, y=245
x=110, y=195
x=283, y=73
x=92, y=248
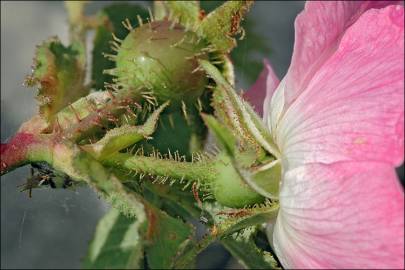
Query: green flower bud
x=229, y=189
x=163, y=57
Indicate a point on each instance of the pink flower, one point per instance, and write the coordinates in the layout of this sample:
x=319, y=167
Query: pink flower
x=338, y=120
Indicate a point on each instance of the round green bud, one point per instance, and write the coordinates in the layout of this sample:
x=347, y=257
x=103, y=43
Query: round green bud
x=229, y=189
x=162, y=57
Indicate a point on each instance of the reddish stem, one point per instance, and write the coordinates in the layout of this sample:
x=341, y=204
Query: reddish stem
x=14, y=153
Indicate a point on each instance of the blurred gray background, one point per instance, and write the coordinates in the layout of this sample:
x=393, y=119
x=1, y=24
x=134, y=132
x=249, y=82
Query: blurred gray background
x=52, y=229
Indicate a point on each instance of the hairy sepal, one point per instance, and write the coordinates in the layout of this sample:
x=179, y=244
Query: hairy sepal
x=263, y=174
x=221, y=25
x=119, y=138
x=237, y=115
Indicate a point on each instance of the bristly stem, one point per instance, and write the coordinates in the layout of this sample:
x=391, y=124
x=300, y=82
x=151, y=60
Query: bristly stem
x=202, y=171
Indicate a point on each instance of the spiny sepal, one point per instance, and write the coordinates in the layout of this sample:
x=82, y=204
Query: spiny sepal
x=121, y=137
x=230, y=220
x=221, y=25
x=238, y=115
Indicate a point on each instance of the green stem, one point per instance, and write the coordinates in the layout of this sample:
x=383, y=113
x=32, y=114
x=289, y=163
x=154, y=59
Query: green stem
x=75, y=12
x=193, y=171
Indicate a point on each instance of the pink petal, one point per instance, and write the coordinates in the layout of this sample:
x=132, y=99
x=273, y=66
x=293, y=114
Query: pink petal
x=318, y=30
x=353, y=108
x=344, y=215
x=260, y=93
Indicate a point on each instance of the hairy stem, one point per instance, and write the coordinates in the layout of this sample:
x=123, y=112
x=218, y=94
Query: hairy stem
x=192, y=171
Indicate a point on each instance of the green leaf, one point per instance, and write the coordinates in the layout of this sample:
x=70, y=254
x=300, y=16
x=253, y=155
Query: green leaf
x=164, y=237
x=174, y=201
x=59, y=72
x=83, y=167
x=124, y=136
x=244, y=249
x=112, y=17
x=116, y=243
x=221, y=25
x=169, y=238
